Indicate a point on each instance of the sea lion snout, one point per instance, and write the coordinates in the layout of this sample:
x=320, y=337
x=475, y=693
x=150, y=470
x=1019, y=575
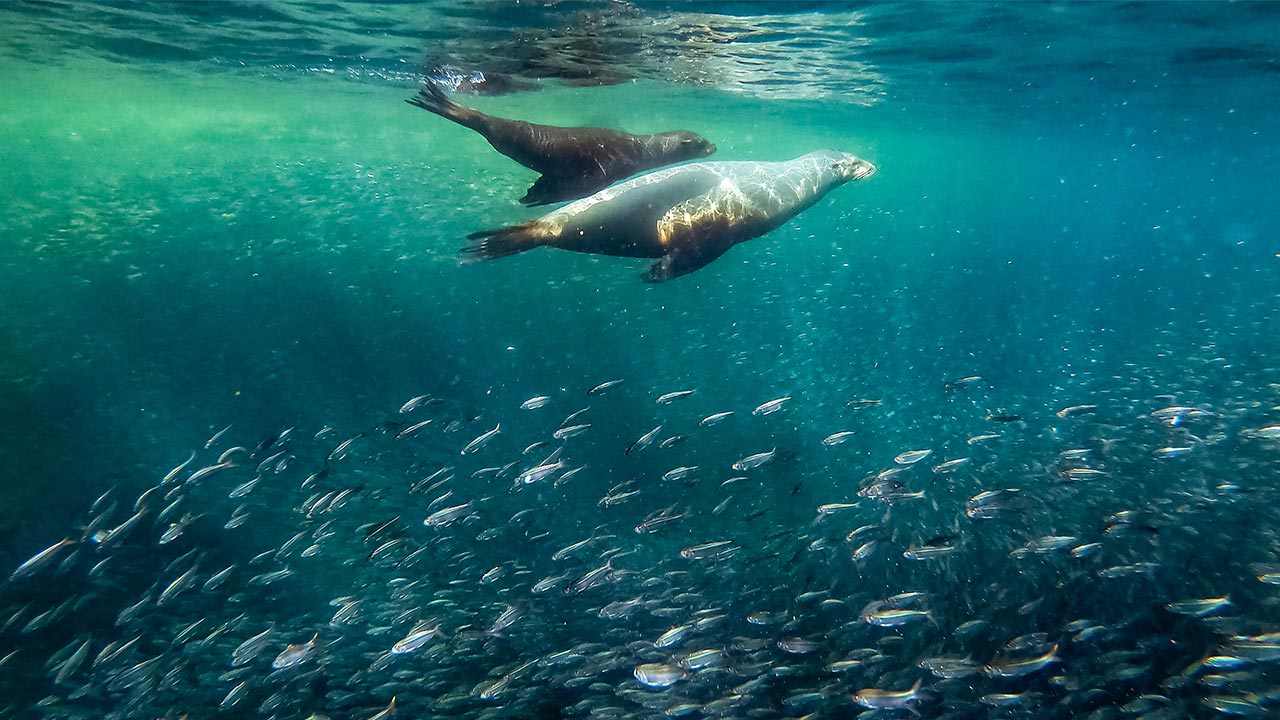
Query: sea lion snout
x=685, y=145
x=854, y=168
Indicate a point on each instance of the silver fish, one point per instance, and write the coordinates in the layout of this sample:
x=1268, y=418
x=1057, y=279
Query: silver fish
x=246, y=651
x=911, y=457
x=715, y=419
x=752, y=462
x=534, y=403
x=447, y=516
x=295, y=654
x=658, y=675
x=41, y=559
x=644, y=440
x=565, y=433
x=481, y=441
x=771, y=406
x=602, y=387
x=414, y=640
x=672, y=396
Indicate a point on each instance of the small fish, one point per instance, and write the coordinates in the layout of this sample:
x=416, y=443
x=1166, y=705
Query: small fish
x=508, y=618
x=183, y=582
x=961, y=382
x=414, y=403
x=413, y=428
x=715, y=419
x=481, y=441
x=671, y=396
x=534, y=403
x=894, y=617
x=1200, y=608
x=41, y=559
x=679, y=473
x=644, y=440
x=73, y=663
x=770, y=407
x=235, y=695
x=979, y=439
x=1086, y=550
x=295, y=654
x=447, y=516
x=929, y=551
x=1003, y=417
x=874, y=699
x=538, y=473
x=1019, y=668
x=837, y=438
x=912, y=457
x=862, y=403
x=1067, y=412
x=700, y=659
x=602, y=387
x=216, y=436
x=673, y=636
x=864, y=552
x=797, y=646
x=565, y=433
x=950, y=465
x=1083, y=473
x=243, y=489
x=658, y=675
x=1270, y=432
x=1171, y=452
x=711, y=550
x=246, y=651
x=752, y=462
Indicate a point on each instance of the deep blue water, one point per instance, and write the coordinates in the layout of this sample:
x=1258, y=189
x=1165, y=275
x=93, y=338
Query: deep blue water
x=224, y=214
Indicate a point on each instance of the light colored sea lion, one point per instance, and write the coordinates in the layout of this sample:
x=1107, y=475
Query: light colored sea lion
x=574, y=161
x=686, y=216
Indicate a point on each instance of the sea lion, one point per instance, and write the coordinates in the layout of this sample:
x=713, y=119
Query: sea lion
x=686, y=216
x=574, y=162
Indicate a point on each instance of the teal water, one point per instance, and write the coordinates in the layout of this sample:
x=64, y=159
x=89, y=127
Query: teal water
x=224, y=215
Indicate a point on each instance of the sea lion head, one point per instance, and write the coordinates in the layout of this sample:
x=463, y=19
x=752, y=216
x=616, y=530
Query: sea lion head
x=680, y=145
x=849, y=166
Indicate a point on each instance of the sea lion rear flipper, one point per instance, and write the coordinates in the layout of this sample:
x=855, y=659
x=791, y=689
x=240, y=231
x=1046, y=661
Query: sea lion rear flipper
x=432, y=99
x=501, y=242
x=694, y=240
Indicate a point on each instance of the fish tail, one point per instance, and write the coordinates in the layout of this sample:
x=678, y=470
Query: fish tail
x=501, y=242
x=432, y=98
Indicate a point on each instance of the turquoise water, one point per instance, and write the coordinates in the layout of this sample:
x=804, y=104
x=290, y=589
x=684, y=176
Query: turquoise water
x=225, y=215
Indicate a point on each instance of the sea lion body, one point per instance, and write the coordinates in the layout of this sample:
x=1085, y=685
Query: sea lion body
x=686, y=216
x=574, y=162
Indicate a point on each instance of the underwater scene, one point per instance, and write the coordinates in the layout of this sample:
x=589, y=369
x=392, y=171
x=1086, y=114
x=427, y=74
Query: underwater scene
x=628, y=359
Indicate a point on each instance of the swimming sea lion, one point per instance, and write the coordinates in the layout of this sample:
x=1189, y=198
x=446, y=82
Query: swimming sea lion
x=574, y=162
x=687, y=216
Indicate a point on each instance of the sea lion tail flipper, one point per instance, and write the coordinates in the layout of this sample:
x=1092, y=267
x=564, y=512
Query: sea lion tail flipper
x=493, y=244
x=432, y=98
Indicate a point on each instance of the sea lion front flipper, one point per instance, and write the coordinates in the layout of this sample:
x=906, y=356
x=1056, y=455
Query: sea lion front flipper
x=559, y=188
x=692, y=239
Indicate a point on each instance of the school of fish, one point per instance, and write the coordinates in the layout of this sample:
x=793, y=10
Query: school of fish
x=1116, y=556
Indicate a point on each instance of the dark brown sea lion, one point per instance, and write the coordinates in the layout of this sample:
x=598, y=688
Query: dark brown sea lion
x=686, y=216
x=574, y=162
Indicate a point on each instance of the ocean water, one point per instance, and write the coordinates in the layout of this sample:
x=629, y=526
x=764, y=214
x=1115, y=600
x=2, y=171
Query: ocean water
x=223, y=215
